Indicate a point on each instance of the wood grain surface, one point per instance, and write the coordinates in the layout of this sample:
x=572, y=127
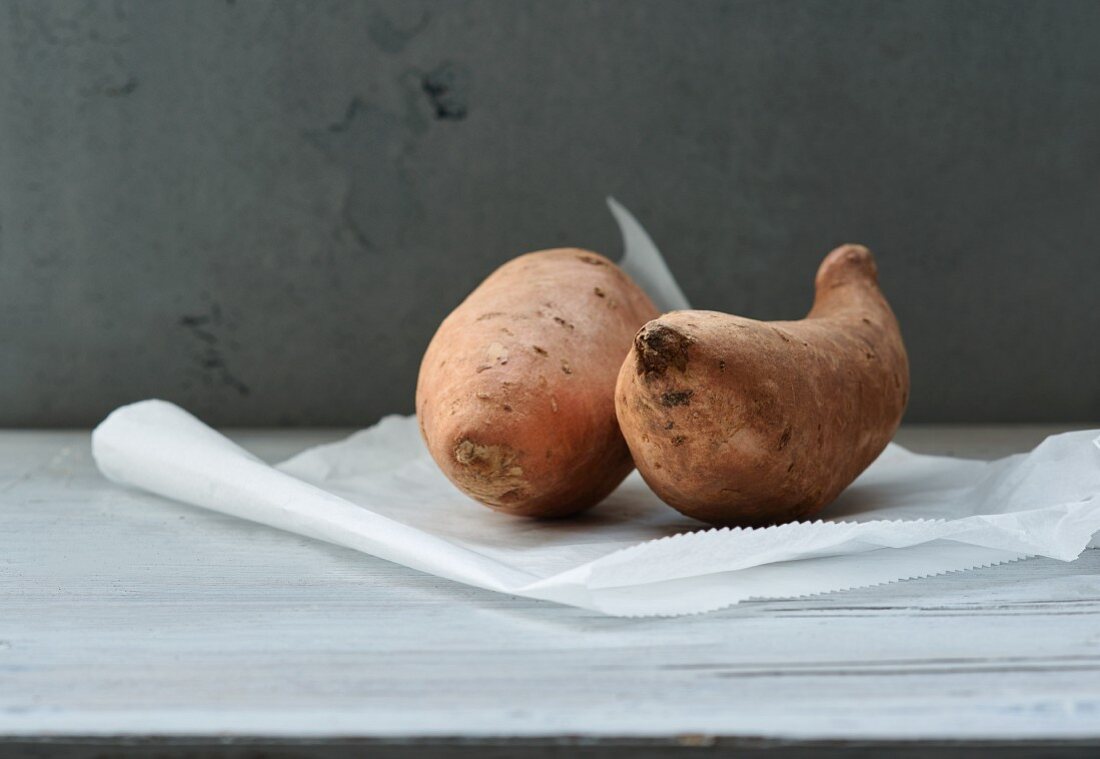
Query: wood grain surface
x=125, y=617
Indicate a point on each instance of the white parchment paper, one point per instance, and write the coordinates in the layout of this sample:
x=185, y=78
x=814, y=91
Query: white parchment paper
x=379, y=492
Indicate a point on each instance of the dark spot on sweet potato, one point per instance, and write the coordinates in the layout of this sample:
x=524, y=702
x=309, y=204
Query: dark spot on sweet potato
x=490, y=473
x=599, y=293
x=790, y=467
x=490, y=315
x=721, y=366
x=670, y=425
x=677, y=398
x=563, y=322
x=592, y=260
x=540, y=351
x=511, y=496
x=869, y=350
x=658, y=347
x=565, y=367
x=785, y=438
x=678, y=440
x=488, y=460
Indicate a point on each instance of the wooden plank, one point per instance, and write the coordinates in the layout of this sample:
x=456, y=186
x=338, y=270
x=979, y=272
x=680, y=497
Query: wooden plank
x=122, y=613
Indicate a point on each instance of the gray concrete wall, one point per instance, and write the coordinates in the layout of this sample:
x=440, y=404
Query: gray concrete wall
x=261, y=210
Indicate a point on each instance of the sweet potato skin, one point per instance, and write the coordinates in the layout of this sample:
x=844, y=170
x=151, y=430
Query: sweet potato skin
x=515, y=396
x=745, y=423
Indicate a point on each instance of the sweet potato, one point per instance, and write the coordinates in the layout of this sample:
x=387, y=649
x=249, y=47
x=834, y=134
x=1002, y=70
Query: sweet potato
x=516, y=394
x=740, y=422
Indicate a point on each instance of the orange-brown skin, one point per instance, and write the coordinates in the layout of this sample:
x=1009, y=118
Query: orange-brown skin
x=516, y=394
x=739, y=422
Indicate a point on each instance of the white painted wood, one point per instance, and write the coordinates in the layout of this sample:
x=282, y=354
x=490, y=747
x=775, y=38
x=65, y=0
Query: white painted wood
x=121, y=613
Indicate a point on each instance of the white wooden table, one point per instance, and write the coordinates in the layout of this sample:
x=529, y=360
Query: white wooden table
x=132, y=625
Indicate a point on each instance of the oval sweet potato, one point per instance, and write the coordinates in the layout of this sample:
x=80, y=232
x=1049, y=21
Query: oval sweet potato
x=739, y=422
x=516, y=390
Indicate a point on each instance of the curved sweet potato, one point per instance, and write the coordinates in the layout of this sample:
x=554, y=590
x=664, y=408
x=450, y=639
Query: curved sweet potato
x=516, y=390
x=739, y=422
